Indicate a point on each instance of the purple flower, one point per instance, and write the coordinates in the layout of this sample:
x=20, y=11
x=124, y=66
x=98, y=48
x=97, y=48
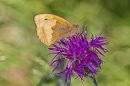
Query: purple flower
x=80, y=55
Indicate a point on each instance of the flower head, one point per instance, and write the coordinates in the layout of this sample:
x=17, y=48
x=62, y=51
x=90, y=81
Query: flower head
x=81, y=56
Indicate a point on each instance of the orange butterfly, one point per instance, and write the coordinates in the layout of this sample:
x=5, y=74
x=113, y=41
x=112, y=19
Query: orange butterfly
x=51, y=28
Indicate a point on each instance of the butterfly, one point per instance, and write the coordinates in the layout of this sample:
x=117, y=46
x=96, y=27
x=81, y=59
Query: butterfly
x=51, y=28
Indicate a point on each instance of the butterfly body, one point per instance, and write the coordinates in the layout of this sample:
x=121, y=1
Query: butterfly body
x=51, y=28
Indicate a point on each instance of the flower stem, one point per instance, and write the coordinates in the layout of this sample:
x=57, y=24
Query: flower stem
x=60, y=82
x=94, y=81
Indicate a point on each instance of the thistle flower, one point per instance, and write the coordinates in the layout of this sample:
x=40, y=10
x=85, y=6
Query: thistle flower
x=81, y=56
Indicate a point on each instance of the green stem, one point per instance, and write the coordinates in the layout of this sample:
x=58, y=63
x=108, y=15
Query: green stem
x=94, y=81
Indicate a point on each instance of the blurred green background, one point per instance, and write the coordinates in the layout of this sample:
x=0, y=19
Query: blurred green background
x=24, y=60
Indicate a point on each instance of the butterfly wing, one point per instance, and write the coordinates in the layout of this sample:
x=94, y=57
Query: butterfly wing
x=62, y=29
x=51, y=28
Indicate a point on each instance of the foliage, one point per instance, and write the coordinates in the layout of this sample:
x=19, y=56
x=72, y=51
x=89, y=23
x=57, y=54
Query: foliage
x=25, y=60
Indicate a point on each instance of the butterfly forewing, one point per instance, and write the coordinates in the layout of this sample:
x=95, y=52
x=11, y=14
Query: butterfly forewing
x=51, y=28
